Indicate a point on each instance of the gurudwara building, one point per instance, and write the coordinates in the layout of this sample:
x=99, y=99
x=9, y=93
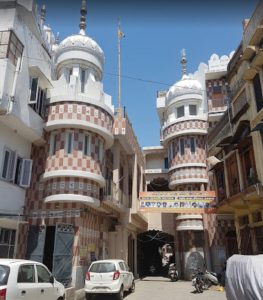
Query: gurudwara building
x=180, y=164
x=73, y=175
x=72, y=168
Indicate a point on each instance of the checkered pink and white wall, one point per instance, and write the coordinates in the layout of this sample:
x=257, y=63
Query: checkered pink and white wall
x=184, y=126
x=82, y=112
x=75, y=160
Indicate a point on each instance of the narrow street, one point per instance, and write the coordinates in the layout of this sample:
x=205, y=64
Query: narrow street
x=156, y=288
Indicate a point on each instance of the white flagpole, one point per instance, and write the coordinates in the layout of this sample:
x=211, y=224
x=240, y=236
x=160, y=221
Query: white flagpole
x=119, y=67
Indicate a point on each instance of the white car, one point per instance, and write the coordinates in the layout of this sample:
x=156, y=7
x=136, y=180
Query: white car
x=111, y=276
x=28, y=280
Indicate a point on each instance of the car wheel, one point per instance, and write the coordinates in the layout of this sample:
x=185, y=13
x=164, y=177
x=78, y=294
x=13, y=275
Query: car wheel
x=120, y=295
x=132, y=288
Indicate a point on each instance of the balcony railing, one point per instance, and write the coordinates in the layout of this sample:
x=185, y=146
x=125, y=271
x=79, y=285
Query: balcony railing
x=116, y=195
x=221, y=130
x=239, y=106
x=255, y=21
x=235, y=59
x=235, y=88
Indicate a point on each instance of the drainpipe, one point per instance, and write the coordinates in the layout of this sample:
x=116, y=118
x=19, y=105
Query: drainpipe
x=12, y=96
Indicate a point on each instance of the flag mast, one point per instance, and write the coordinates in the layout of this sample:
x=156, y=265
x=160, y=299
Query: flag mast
x=119, y=67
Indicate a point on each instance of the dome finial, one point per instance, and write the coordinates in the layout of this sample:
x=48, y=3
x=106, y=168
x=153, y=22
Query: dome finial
x=83, y=12
x=183, y=61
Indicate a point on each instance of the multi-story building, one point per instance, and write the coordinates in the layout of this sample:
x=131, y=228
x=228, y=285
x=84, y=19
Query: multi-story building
x=216, y=88
x=60, y=138
x=181, y=164
x=236, y=141
x=21, y=116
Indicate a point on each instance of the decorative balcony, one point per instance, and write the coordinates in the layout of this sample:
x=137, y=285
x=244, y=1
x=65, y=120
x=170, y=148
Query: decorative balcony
x=254, y=30
x=221, y=134
x=240, y=106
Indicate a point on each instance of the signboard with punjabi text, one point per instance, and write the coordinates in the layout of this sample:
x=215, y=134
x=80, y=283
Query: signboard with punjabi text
x=196, y=202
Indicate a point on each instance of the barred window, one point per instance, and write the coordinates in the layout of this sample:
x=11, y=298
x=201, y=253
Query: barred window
x=10, y=46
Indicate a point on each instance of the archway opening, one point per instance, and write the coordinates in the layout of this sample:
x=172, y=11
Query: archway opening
x=155, y=252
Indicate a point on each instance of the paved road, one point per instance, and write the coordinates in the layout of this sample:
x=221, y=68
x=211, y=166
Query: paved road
x=159, y=288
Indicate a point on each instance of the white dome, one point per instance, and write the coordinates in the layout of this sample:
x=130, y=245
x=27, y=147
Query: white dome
x=186, y=85
x=81, y=42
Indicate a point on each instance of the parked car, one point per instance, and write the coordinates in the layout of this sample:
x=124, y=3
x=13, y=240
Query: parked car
x=111, y=276
x=28, y=280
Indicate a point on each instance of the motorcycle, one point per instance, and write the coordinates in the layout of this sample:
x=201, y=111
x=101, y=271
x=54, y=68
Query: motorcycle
x=198, y=281
x=211, y=278
x=172, y=272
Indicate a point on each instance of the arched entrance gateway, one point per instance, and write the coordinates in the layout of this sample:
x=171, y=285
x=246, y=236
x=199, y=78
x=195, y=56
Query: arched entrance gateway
x=155, y=250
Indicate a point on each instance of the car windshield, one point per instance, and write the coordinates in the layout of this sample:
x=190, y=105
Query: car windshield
x=4, y=273
x=104, y=267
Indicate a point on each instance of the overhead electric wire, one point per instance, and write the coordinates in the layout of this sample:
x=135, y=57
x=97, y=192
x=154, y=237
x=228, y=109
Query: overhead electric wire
x=132, y=77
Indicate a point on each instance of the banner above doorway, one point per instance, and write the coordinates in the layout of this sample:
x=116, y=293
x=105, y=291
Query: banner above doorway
x=178, y=202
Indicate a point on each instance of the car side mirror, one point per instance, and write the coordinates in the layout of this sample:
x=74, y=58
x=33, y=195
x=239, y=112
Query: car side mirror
x=51, y=279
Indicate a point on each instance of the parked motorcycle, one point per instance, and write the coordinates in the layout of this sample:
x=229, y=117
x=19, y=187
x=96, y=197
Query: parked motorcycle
x=211, y=278
x=198, y=281
x=172, y=272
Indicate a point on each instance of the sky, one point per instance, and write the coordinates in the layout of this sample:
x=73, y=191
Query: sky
x=155, y=33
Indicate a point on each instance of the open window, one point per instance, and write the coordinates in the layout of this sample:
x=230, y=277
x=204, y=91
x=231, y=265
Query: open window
x=16, y=169
x=38, y=85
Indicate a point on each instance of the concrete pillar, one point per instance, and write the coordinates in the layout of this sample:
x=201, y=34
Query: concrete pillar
x=116, y=170
x=207, y=248
x=253, y=236
x=258, y=152
x=113, y=244
x=134, y=184
x=136, y=275
x=126, y=181
x=226, y=178
x=238, y=234
x=141, y=179
x=240, y=175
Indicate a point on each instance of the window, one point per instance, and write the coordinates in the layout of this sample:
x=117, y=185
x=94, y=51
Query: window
x=166, y=164
x=192, y=145
x=181, y=145
x=86, y=144
x=122, y=267
x=10, y=46
x=26, y=273
x=192, y=110
x=69, y=142
x=8, y=164
x=7, y=242
x=180, y=111
x=53, y=144
x=258, y=92
x=104, y=267
x=42, y=274
x=4, y=274
x=233, y=177
x=82, y=80
x=100, y=150
x=16, y=169
x=38, y=97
